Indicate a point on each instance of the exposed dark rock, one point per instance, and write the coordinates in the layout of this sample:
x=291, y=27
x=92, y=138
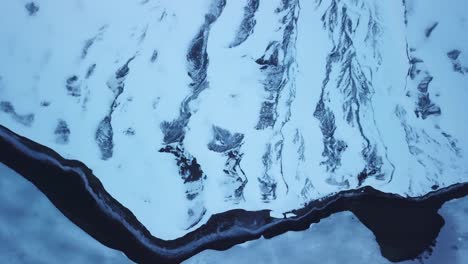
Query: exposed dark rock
x=104, y=132
x=267, y=183
x=373, y=167
x=453, y=54
x=104, y=138
x=332, y=147
x=174, y=131
x=424, y=84
x=405, y=12
x=32, y=8
x=129, y=131
x=8, y=108
x=274, y=82
x=154, y=56
x=223, y=140
x=430, y=29
x=456, y=63
x=197, y=60
x=90, y=70
x=189, y=168
x=425, y=107
x=229, y=145
x=247, y=25
x=267, y=116
x=86, y=47
x=353, y=81
x=270, y=56
x=45, y=103
x=90, y=42
x=73, y=86
x=124, y=70
x=278, y=65
x=458, y=68
x=62, y=132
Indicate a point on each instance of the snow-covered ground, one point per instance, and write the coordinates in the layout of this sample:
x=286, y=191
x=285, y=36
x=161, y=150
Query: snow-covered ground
x=184, y=110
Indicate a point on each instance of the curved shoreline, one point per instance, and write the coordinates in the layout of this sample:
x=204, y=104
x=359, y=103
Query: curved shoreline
x=81, y=197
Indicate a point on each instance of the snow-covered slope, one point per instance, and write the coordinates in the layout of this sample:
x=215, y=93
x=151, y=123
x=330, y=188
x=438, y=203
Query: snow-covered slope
x=186, y=109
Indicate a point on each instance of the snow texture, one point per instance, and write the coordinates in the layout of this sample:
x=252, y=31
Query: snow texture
x=187, y=110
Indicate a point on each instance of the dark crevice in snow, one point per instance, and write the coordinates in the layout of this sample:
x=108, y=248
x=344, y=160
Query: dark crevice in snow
x=229, y=144
x=143, y=34
x=354, y=86
x=90, y=70
x=408, y=49
x=90, y=42
x=332, y=147
x=418, y=74
x=278, y=64
x=104, y=135
x=424, y=105
x=453, y=143
x=189, y=169
x=454, y=55
x=404, y=226
x=430, y=29
x=32, y=8
x=44, y=103
x=405, y=14
x=174, y=131
x=279, y=67
x=73, y=86
x=247, y=25
x=62, y=132
x=129, y=131
x=154, y=56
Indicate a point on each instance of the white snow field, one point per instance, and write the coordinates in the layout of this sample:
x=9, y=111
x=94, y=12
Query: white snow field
x=184, y=109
